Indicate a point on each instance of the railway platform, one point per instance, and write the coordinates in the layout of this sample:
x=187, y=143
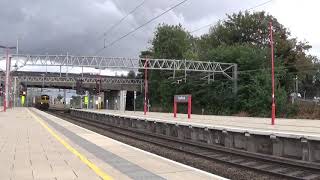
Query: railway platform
x=296, y=139
x=284, y=127
x=36, y=145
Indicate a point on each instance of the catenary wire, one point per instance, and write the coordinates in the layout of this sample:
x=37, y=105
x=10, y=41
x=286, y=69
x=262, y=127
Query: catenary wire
x=107, y=32
x=139, y=27
x=249, y=9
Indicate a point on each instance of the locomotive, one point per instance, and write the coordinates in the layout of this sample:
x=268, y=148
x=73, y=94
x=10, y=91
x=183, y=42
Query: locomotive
x=42, y=102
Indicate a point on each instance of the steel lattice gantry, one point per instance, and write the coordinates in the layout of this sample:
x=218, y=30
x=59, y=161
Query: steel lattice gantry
x=210, y=68
x=226, y=69
x=70, y=82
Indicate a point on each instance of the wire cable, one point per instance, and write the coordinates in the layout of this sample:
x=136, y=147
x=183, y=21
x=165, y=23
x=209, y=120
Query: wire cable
x=144, y=24
x=122, y=19
x=301, y=68
x=259, y=5
x=207, y=25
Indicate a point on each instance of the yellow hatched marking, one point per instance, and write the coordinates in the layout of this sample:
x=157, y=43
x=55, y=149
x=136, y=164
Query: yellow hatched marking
x=95, y=168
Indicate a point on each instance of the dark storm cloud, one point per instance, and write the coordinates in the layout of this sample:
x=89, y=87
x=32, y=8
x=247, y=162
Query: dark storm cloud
x=73, y=26
x=56, y=26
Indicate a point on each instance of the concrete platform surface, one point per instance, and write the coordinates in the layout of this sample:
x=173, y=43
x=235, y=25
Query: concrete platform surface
x=284, y=127
x=29, y=150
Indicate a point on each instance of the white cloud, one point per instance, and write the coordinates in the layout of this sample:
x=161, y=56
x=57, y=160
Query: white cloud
x=300, y=18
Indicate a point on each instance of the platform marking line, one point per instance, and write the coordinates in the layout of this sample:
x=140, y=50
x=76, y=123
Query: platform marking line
x=95, y=168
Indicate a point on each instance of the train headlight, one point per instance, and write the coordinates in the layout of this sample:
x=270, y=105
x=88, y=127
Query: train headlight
x=41, y=103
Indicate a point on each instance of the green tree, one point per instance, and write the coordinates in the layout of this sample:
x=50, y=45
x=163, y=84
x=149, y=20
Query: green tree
x=131, y=74
x=253, y=28
x=242, y=38
x=169, y=42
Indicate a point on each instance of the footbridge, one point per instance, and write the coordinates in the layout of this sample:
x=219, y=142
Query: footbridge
x=69, y=81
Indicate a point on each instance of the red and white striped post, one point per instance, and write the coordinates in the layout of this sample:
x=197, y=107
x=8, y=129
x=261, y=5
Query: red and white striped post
x=273, y=106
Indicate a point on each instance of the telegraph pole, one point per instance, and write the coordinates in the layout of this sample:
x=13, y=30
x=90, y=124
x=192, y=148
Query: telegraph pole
x=273, y=106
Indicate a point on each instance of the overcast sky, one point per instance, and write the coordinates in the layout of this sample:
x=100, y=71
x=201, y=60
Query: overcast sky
x=75, y=26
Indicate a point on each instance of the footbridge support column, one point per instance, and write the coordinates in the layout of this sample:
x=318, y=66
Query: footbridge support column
x=115, y=99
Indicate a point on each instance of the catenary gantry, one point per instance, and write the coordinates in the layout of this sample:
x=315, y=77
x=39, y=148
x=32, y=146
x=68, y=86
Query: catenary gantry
x=227, y=69
x=209, y=68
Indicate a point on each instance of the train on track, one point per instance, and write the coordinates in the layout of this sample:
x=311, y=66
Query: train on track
x=42, y=102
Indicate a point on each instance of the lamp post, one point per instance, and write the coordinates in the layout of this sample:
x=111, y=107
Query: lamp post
x=6, y=94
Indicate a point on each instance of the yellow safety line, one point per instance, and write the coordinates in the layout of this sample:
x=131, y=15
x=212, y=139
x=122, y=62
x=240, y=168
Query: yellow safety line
x=95, y=168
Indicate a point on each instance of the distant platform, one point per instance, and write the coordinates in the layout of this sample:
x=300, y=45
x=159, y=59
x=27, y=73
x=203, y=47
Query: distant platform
x=36, y=145
x=293, y=128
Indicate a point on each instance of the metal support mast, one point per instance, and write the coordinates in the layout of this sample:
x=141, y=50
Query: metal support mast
x=273, y=106
x=145, y=87
x=235, y=79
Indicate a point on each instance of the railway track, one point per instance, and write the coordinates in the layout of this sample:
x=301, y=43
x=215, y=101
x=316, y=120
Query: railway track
x=282, y=168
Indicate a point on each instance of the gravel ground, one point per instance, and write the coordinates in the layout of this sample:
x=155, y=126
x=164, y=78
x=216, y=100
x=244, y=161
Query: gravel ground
x=218, y=168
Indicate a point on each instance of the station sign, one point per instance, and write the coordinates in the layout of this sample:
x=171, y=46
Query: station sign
x=181, y=98
x=185, y=98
